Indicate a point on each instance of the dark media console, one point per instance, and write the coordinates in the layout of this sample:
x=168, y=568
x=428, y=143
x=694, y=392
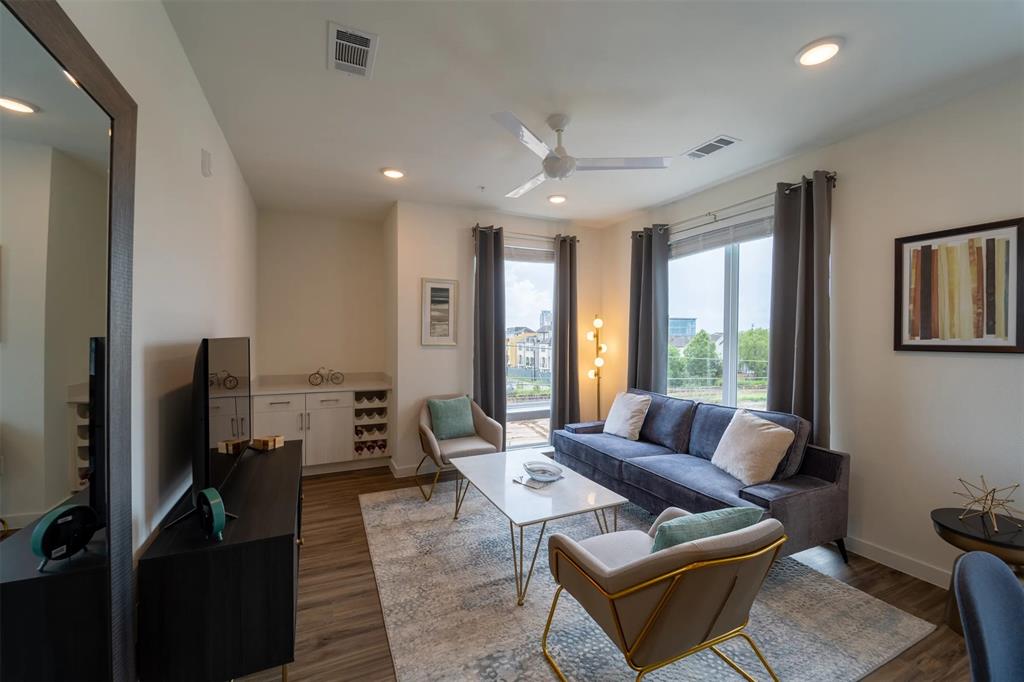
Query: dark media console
x=213, y=610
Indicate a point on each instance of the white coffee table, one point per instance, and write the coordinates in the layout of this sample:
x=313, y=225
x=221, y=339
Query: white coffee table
x=573, y=494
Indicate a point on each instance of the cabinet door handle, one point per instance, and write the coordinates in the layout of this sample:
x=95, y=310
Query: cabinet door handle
x=309, y=424
x=234, y=431
x=300, y=421
x=282, y=402
x=329, y=400
x=242, y=429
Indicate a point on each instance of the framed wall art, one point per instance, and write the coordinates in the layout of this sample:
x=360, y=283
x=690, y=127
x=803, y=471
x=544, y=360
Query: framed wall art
x=439, y=316
x=961, y=289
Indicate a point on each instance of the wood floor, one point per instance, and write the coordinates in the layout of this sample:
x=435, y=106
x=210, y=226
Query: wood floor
x=341, y=633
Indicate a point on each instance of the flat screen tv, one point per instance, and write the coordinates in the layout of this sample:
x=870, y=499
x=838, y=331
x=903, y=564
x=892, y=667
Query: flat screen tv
x=97, y=430
x=221, y=409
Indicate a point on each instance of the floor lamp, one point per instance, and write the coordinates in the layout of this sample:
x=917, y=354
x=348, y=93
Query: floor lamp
x=599, y=350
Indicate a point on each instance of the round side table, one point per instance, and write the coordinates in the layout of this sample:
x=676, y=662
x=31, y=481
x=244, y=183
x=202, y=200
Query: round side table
x=976, y=534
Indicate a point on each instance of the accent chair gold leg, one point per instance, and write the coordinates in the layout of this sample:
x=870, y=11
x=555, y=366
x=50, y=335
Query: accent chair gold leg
x=544, y=639
x=732, y=664
x=760, y=655
x=428, y=493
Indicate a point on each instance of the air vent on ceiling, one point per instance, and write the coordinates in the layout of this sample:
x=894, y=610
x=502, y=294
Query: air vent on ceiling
x=710, y=147
x=350, y=50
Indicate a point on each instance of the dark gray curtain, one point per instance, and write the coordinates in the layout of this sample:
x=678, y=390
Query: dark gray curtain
x=489, y=323
x=798, y=345
x=565, y=380
x=648, y=310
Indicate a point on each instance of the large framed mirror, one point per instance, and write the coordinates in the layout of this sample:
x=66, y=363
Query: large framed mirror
x=67, y=164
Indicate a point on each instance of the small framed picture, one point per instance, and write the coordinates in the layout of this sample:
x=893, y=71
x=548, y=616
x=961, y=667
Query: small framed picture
x=439, y=317
x=961, y=290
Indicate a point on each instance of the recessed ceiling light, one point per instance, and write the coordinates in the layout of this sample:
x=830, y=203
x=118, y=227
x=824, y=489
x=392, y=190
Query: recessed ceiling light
x=819, y=52
x=392, y=173
x=71, y=78
x=557, y=199
x=16, y=105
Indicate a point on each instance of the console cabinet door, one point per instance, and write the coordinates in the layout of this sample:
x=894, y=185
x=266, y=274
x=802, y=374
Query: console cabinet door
x=223, y=420
x=328, y=435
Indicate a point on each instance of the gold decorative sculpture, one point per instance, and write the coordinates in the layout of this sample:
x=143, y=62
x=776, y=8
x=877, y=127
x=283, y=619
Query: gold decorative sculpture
x=984, y=501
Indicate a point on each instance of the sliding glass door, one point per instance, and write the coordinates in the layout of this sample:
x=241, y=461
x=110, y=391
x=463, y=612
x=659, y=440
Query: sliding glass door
x=529, y=298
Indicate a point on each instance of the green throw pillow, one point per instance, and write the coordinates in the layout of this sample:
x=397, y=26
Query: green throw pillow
x=451, y=418
x=697, y=526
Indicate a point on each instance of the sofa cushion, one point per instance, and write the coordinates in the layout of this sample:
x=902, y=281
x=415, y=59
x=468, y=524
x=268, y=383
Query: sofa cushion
x=688, y=482
x=668, y=421
x=604, y=451
x=710, y=422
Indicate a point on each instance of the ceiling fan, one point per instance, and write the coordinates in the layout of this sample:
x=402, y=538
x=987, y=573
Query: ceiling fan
x=558, y=164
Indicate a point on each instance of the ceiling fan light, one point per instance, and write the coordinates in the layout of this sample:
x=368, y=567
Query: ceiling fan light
x=557, y=198
x=392, y=173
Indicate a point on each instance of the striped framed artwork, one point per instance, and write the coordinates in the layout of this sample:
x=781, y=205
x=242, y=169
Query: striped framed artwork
x=961, y=290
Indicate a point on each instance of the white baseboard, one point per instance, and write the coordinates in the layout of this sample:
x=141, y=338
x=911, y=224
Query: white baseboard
x=901, y=562
x=354, y=465
x=406, y=470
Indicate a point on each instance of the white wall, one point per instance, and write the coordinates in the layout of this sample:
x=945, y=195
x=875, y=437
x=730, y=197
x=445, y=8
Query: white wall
x=321, y=295
x=76, y=300
x=436, y=241
x=912, y=421
x=24, y=225
x=195, y=240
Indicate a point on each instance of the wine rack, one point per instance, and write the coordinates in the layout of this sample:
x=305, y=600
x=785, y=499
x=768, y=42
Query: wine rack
x=370, y=424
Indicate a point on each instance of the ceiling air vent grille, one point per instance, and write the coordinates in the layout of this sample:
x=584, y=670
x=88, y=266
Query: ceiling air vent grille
x=710, y=147
x=350, y=50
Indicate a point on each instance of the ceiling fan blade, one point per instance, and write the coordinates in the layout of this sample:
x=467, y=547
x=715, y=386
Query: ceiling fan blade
x=624, y=163
x=509, y=122
x=527, y=186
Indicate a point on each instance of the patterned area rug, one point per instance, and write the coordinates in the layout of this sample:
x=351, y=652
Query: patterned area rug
x=448, y=595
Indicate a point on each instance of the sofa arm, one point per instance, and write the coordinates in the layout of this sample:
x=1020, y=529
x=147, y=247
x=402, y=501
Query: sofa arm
x=585, y=427
x=828, y=465
x=814, y=511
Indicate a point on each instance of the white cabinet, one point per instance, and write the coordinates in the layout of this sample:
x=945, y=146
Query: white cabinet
x=328, y=435
x=322, y=421
x=229, y=419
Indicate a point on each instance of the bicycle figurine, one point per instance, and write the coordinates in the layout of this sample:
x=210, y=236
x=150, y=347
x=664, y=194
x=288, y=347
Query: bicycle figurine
x=224, y=378
x=323, y=374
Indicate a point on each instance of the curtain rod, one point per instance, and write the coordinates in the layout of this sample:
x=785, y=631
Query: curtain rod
x=537, y=237
x=831, y=176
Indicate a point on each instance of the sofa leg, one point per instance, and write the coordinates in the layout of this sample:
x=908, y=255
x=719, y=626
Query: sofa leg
x=841, y=544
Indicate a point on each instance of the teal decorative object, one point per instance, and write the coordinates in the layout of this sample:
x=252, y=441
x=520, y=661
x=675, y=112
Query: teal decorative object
x=63, y=532
x=212, y=516
x=704, y=525
x=452, y=418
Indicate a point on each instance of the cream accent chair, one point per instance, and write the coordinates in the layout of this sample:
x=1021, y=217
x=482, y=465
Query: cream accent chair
x=659, y=608
x=488, y=438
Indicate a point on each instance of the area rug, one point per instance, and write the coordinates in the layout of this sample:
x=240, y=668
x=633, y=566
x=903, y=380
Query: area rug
x=448, y=595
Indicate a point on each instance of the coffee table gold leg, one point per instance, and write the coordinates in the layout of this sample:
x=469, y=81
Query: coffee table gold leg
x=518, y=564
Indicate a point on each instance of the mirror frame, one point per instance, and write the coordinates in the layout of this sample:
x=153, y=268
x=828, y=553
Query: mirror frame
x=55, y=31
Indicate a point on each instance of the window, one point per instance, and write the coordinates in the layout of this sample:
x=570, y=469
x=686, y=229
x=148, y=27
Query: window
x=719, y=299
x=529, y=295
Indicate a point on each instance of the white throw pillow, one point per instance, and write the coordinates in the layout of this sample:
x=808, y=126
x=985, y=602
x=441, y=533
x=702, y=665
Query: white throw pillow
x=751, y=448
x=627, y=415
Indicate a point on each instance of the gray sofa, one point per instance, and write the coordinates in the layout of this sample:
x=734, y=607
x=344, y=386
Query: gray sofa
x=670, y=466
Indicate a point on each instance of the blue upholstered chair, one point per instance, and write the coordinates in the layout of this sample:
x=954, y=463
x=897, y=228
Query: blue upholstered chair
x=991, y=603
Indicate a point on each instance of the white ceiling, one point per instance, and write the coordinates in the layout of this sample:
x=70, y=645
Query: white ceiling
x=66, y=117
x=639, y=79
